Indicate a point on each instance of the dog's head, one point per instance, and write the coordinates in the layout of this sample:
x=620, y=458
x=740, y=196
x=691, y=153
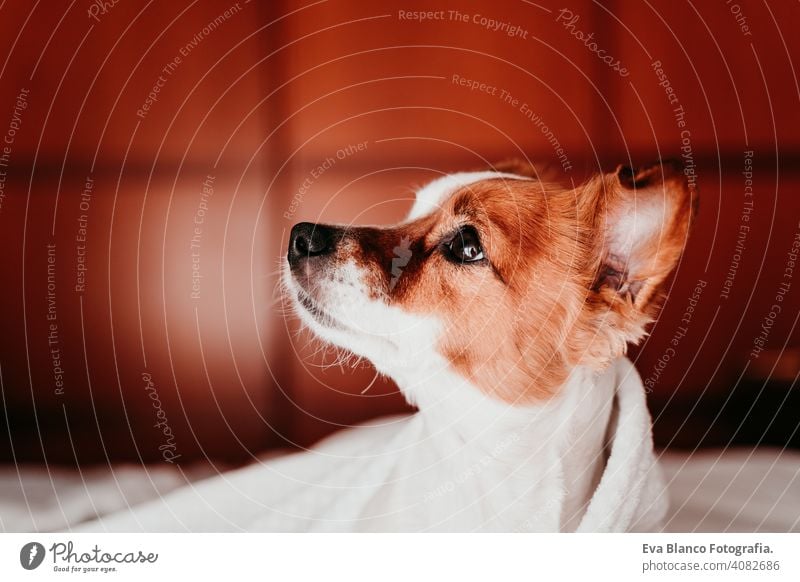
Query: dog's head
x=504, y=279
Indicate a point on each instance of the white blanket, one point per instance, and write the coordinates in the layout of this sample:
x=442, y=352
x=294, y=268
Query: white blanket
x=410, y=474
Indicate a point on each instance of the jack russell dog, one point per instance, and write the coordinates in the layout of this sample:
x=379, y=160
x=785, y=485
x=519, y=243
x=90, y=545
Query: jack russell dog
x=502, y=308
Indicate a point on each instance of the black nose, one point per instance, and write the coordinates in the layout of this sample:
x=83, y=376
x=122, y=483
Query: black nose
x=310, y=240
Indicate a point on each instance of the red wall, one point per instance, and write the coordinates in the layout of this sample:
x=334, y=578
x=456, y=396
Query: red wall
x=264, y=97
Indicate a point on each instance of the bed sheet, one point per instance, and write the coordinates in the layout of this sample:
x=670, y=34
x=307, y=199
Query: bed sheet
x=711, y=491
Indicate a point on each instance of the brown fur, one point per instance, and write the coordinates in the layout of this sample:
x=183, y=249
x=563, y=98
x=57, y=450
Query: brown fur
x=564, y=284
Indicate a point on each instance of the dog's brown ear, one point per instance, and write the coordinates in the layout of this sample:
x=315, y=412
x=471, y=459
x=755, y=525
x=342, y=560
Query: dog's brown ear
x=639, y=221
x=643, y=226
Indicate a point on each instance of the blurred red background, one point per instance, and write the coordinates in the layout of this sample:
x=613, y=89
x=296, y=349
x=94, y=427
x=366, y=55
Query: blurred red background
x=260, y=95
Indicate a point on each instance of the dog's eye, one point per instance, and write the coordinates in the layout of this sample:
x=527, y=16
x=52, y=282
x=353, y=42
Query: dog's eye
x=466, y=246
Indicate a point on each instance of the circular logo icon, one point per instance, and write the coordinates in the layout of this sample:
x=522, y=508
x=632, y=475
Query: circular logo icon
x=31, y=555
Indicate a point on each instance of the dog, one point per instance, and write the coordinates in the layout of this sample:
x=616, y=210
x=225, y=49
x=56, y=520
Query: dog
x=502, y=308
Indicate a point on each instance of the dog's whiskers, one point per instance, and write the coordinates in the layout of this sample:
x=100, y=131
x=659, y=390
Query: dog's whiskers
x=372, y=383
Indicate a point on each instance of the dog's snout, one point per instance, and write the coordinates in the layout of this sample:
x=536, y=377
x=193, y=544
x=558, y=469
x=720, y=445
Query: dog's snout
x=310, y=240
